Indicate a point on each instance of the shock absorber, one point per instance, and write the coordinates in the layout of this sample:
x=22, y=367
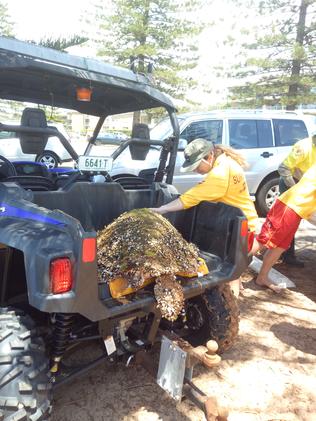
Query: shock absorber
x=61, y=334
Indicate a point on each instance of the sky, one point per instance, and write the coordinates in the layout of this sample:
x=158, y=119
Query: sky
x=37, y=19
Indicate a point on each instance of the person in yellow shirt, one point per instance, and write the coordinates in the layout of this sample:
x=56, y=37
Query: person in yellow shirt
x=301, y=157
x=282, y=222
x=224, y=182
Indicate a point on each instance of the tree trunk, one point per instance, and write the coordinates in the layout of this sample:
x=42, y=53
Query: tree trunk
x=136, y=117
x=292, y=100
x=141, y=58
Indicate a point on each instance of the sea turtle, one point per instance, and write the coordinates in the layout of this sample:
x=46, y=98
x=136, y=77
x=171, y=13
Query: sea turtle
x=141, y=245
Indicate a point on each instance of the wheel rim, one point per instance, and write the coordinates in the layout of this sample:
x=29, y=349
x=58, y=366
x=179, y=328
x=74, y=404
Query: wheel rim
x=272, y=194
x=49, y=161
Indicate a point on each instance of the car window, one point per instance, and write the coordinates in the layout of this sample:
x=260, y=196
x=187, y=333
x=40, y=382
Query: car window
x=264, y=130
x=206, y=129
x=7, y=135
x=287, y=132
x=249, y=134
x=162, y=129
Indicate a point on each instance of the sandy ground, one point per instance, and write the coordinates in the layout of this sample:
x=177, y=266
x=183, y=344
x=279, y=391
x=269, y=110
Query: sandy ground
x=270, y=374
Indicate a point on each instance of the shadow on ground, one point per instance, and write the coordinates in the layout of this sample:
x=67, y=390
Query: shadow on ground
x=301, y=338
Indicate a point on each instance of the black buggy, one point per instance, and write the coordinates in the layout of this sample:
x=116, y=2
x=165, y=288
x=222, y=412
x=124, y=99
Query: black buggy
x=51, y=297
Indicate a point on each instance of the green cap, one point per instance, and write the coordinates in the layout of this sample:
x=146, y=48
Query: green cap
x=194, y=153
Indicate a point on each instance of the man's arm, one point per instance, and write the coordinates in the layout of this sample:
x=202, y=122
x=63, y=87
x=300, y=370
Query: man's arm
x=173, y=206
x=288, y=166
x=286, y=174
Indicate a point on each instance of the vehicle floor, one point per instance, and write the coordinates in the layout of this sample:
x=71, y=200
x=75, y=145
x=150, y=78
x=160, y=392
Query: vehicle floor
x=270, y=374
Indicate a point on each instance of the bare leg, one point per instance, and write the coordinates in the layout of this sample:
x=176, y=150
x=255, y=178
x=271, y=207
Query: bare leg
x=256, y=247
x=269, y=259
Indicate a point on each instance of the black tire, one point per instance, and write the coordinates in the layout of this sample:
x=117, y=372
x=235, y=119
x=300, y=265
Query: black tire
x=48, y=158
x=24, y=383
x=213, y=315
x=267, y=195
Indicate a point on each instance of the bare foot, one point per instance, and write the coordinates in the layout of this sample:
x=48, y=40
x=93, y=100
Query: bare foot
x=268, y=284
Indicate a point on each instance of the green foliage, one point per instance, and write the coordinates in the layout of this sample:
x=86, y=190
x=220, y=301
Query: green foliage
x=158, y=32
x=61, y=44
x=6, y=25
x=280, y=64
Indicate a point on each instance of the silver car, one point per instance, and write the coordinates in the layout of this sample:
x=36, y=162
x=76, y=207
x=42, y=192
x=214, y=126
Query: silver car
x=53, y=155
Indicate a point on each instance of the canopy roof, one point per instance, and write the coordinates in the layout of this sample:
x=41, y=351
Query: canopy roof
x=41, y=75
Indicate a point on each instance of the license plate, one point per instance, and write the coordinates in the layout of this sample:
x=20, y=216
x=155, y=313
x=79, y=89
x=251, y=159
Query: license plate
x=171, y=368
x=95, y=163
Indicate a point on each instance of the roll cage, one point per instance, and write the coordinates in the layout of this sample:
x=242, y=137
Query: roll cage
x=40, y=75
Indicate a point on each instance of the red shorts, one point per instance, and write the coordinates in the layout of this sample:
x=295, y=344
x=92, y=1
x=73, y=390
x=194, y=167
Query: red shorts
x=280, y=226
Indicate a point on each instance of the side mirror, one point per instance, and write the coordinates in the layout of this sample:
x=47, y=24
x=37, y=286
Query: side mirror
x=182, y=144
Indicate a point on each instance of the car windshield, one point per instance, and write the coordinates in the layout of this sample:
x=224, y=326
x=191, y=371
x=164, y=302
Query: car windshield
x=162, y=129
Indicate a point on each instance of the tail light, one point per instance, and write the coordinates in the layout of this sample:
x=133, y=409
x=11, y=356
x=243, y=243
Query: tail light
x=60, y=275
x=244, y=228
x=244, y=232
x=88, y=250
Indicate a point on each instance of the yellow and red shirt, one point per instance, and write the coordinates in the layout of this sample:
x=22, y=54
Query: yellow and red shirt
x=225, y=183
x=302, y=196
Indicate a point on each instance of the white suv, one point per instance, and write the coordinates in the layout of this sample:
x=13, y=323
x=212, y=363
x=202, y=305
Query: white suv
x=263, y=137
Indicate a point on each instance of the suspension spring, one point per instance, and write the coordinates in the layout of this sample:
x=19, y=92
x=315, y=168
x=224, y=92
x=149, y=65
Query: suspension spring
x=61, y=334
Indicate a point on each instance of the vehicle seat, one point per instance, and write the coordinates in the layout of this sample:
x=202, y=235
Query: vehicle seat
x=132, y=182
x=33, y=143
x=148, y=174
x=246, y=136
x=245, y=131
x=32, y=182
x=139, y=152
x=286, y=136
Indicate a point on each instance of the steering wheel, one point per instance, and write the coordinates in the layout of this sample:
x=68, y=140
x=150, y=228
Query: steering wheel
x=7, y=169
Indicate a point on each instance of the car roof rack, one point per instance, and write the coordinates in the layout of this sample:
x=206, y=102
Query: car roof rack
x=239, y=111
x=253, y=111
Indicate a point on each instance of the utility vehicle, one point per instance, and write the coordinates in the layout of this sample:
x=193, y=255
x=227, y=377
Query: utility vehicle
x=51, y=298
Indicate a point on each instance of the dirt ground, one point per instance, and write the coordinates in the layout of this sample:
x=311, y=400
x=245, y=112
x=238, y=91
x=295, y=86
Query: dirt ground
x=270, y=374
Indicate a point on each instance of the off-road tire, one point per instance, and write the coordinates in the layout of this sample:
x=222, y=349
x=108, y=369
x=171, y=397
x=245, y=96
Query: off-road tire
x=24, y=383
x=218, y=318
